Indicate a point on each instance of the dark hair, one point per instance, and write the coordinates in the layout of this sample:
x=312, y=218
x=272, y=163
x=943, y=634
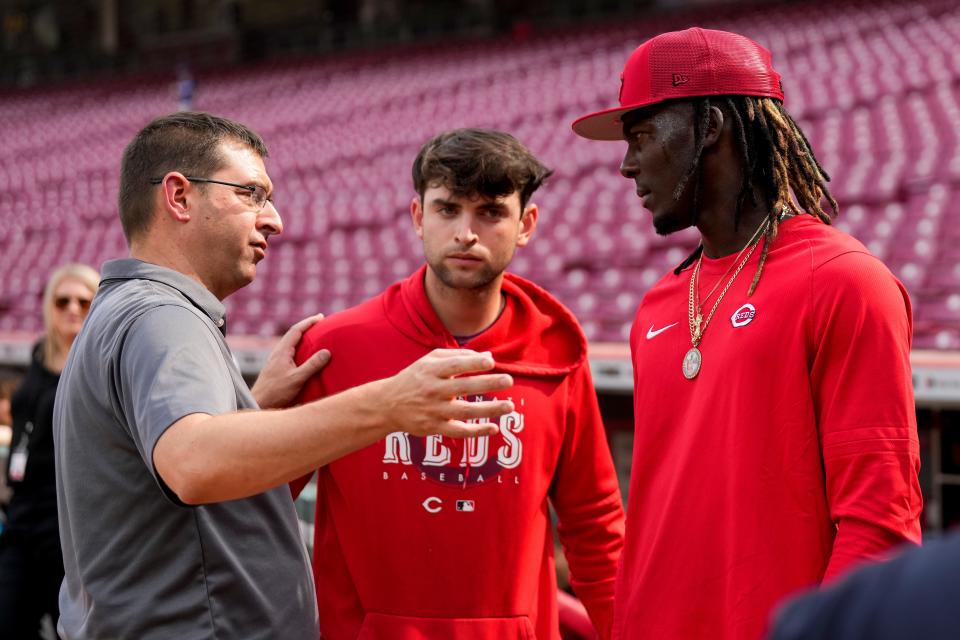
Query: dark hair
x=471, y=162
x=776, y=158
x=187, y=142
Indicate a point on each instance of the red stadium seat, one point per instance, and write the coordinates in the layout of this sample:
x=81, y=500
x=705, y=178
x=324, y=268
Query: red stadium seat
x=875, y=85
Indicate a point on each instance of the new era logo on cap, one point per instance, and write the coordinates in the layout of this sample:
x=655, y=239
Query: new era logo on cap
x=686, y=64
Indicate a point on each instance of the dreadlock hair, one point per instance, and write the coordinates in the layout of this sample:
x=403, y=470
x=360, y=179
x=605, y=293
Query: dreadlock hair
x=777, y=161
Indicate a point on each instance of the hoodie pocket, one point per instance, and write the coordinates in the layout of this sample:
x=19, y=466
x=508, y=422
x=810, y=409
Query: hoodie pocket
x=383, y=626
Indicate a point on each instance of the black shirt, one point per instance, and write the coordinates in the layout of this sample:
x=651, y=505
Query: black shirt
x=33, y=507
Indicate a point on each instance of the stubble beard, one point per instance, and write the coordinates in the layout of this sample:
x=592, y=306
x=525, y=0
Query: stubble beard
x=664, y=226
x=680, y=216
x=682, y=213
x=480, y=280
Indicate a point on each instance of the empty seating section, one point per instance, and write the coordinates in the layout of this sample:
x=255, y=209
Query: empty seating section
x=875, y=85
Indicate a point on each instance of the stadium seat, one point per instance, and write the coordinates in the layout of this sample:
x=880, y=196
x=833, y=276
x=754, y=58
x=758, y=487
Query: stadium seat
x=876, y=85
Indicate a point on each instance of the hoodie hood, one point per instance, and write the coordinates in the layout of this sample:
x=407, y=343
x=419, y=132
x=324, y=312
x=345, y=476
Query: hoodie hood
x=534, y=336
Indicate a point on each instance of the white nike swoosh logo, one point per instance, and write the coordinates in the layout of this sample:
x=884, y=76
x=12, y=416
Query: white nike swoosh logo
x=651, y=334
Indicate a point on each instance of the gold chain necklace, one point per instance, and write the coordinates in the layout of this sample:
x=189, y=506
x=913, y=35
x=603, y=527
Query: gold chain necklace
x=693, y=358
x=701, y=301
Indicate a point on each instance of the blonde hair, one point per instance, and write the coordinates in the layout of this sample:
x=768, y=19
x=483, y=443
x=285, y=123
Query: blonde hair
x=80, y=272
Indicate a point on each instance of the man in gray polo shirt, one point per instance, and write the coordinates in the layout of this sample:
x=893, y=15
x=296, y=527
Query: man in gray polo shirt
x=175, y=517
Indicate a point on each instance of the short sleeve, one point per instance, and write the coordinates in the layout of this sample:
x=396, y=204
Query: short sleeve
x=170, y=366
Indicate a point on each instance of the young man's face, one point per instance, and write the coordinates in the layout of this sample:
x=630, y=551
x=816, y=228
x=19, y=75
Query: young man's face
x=231, y=232
x=660, y=150
x=468, y=242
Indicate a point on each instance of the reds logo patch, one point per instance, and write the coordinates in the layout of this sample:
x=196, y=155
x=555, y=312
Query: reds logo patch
x=743, y=316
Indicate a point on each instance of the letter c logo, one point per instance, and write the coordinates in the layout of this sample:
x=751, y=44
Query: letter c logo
x=433, y=504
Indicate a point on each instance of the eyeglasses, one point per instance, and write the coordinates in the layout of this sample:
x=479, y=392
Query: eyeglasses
x=258, y=195
x=62, y=302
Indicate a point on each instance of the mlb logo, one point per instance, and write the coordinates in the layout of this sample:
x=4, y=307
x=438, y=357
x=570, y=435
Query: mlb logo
x=465, y=505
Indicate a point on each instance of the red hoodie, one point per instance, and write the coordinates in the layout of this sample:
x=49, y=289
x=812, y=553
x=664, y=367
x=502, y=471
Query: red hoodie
x=416, y=538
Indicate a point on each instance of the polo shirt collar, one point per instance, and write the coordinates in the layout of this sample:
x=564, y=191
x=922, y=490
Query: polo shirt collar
x=200, y=296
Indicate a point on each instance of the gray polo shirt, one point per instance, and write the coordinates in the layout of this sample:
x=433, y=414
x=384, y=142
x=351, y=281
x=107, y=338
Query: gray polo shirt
x=139, y=563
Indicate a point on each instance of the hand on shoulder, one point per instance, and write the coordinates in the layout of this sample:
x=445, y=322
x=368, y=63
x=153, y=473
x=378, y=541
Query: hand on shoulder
x=281, y=378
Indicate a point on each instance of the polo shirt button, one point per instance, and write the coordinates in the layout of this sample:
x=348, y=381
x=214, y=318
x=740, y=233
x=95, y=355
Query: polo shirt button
x=220, y=322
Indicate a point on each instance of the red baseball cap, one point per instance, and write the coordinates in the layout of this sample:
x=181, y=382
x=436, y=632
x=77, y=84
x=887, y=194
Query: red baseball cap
x=686, y=64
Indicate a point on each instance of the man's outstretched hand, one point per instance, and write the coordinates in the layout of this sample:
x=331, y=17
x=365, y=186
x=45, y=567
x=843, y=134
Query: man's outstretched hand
x=425, y=398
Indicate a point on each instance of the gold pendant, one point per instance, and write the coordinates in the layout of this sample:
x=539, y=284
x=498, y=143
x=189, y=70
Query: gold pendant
x=691, y=363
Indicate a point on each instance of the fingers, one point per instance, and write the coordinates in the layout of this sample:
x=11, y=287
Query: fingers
x=313, y=364
x=476, y=385
x=464, y=410
x=460, y=429
x=306, y=323
x=445, y=353
x=426, y=397
x=293, y=334
x=447, y=363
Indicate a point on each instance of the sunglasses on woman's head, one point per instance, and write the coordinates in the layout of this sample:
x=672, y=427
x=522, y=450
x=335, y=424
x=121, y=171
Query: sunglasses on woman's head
x=62, y=302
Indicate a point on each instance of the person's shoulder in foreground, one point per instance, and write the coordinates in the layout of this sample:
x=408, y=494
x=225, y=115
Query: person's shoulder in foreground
x=472, y=211
x=912, y=596
x=157, y=434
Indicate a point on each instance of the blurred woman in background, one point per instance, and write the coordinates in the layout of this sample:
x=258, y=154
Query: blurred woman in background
x=31, y=564
x=7, y=387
